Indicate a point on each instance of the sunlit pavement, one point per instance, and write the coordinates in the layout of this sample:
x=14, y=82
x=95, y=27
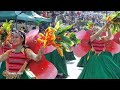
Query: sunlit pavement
x=73, y=70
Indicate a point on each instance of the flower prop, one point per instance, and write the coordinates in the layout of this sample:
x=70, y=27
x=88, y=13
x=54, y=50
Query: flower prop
x=89, y=25
x=57, y=37
x=114, y=18
x=5, y=31
x=73, y=38
x=66, y=40
x=62, y=37
x=48, y=38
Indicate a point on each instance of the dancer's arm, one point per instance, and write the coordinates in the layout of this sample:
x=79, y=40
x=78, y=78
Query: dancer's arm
x=10, y=45
x=31, y=55
x=5, y=55
x=20, y=72
x=109, y=35
x=97, y=34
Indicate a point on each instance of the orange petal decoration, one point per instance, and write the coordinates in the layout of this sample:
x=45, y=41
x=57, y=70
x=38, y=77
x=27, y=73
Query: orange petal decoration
x=0, y=31
x=108, y=19
x=49, y=38
x=60, y=51
x=39, y=40
x=8, y=38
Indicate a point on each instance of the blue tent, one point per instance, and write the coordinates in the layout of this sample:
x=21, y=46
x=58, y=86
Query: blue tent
x=25, y=17
x=9, y=15
x=15, y=15
x=37, y=17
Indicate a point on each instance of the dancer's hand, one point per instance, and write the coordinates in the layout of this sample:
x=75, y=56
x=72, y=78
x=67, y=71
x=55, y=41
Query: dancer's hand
x=9, y=51
x=108, y=24
x=9, y=75
x=41, y=51
x=32, y=56
x=5, y=55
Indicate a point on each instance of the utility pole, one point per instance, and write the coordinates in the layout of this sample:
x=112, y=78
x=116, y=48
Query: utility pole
x=106, y=13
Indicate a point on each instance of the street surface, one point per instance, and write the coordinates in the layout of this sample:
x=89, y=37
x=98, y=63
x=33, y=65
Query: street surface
x=73, y=70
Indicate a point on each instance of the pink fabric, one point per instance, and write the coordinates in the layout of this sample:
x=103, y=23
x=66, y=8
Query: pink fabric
x=98, y=45
x=1, y=50
x=49, y=49
x=112, y=47
x=82, y=49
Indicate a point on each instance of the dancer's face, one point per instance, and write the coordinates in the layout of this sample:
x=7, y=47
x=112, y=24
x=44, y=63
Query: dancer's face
x=17, y=39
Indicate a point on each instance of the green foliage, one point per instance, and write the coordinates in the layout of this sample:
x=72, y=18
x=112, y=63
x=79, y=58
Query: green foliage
x=115, y=28
x=86, y=27
x=114, y=15
x=73, y=38
x=63, y=30
x=66, y=41
x=57, y=25
x=115, y=18
x=65, y=46
x=7, y=26
x=5, y=30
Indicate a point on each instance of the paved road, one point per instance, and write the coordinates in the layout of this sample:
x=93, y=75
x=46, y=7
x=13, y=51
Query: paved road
x=73, y=70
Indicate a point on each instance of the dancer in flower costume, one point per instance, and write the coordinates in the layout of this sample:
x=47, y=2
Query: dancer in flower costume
x=116, y=57
x=100, y=65
x=24, y=63
x=61, y=42
x=115, y=20
x=5, y=38
x=83, y=60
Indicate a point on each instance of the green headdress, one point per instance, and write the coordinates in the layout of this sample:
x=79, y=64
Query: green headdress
x=5, y=30
x=114, y=18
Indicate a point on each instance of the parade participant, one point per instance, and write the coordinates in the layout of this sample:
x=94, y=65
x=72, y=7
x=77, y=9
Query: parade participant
x=42, y=69
x=4, y=37
x=15, y=68
x=116, y=57
x=7, y=46
x=57, y=38
x=59, y=62
x=83, y=60
x=100, y=65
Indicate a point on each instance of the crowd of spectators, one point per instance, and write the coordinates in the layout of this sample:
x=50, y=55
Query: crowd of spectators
x=69, y=17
